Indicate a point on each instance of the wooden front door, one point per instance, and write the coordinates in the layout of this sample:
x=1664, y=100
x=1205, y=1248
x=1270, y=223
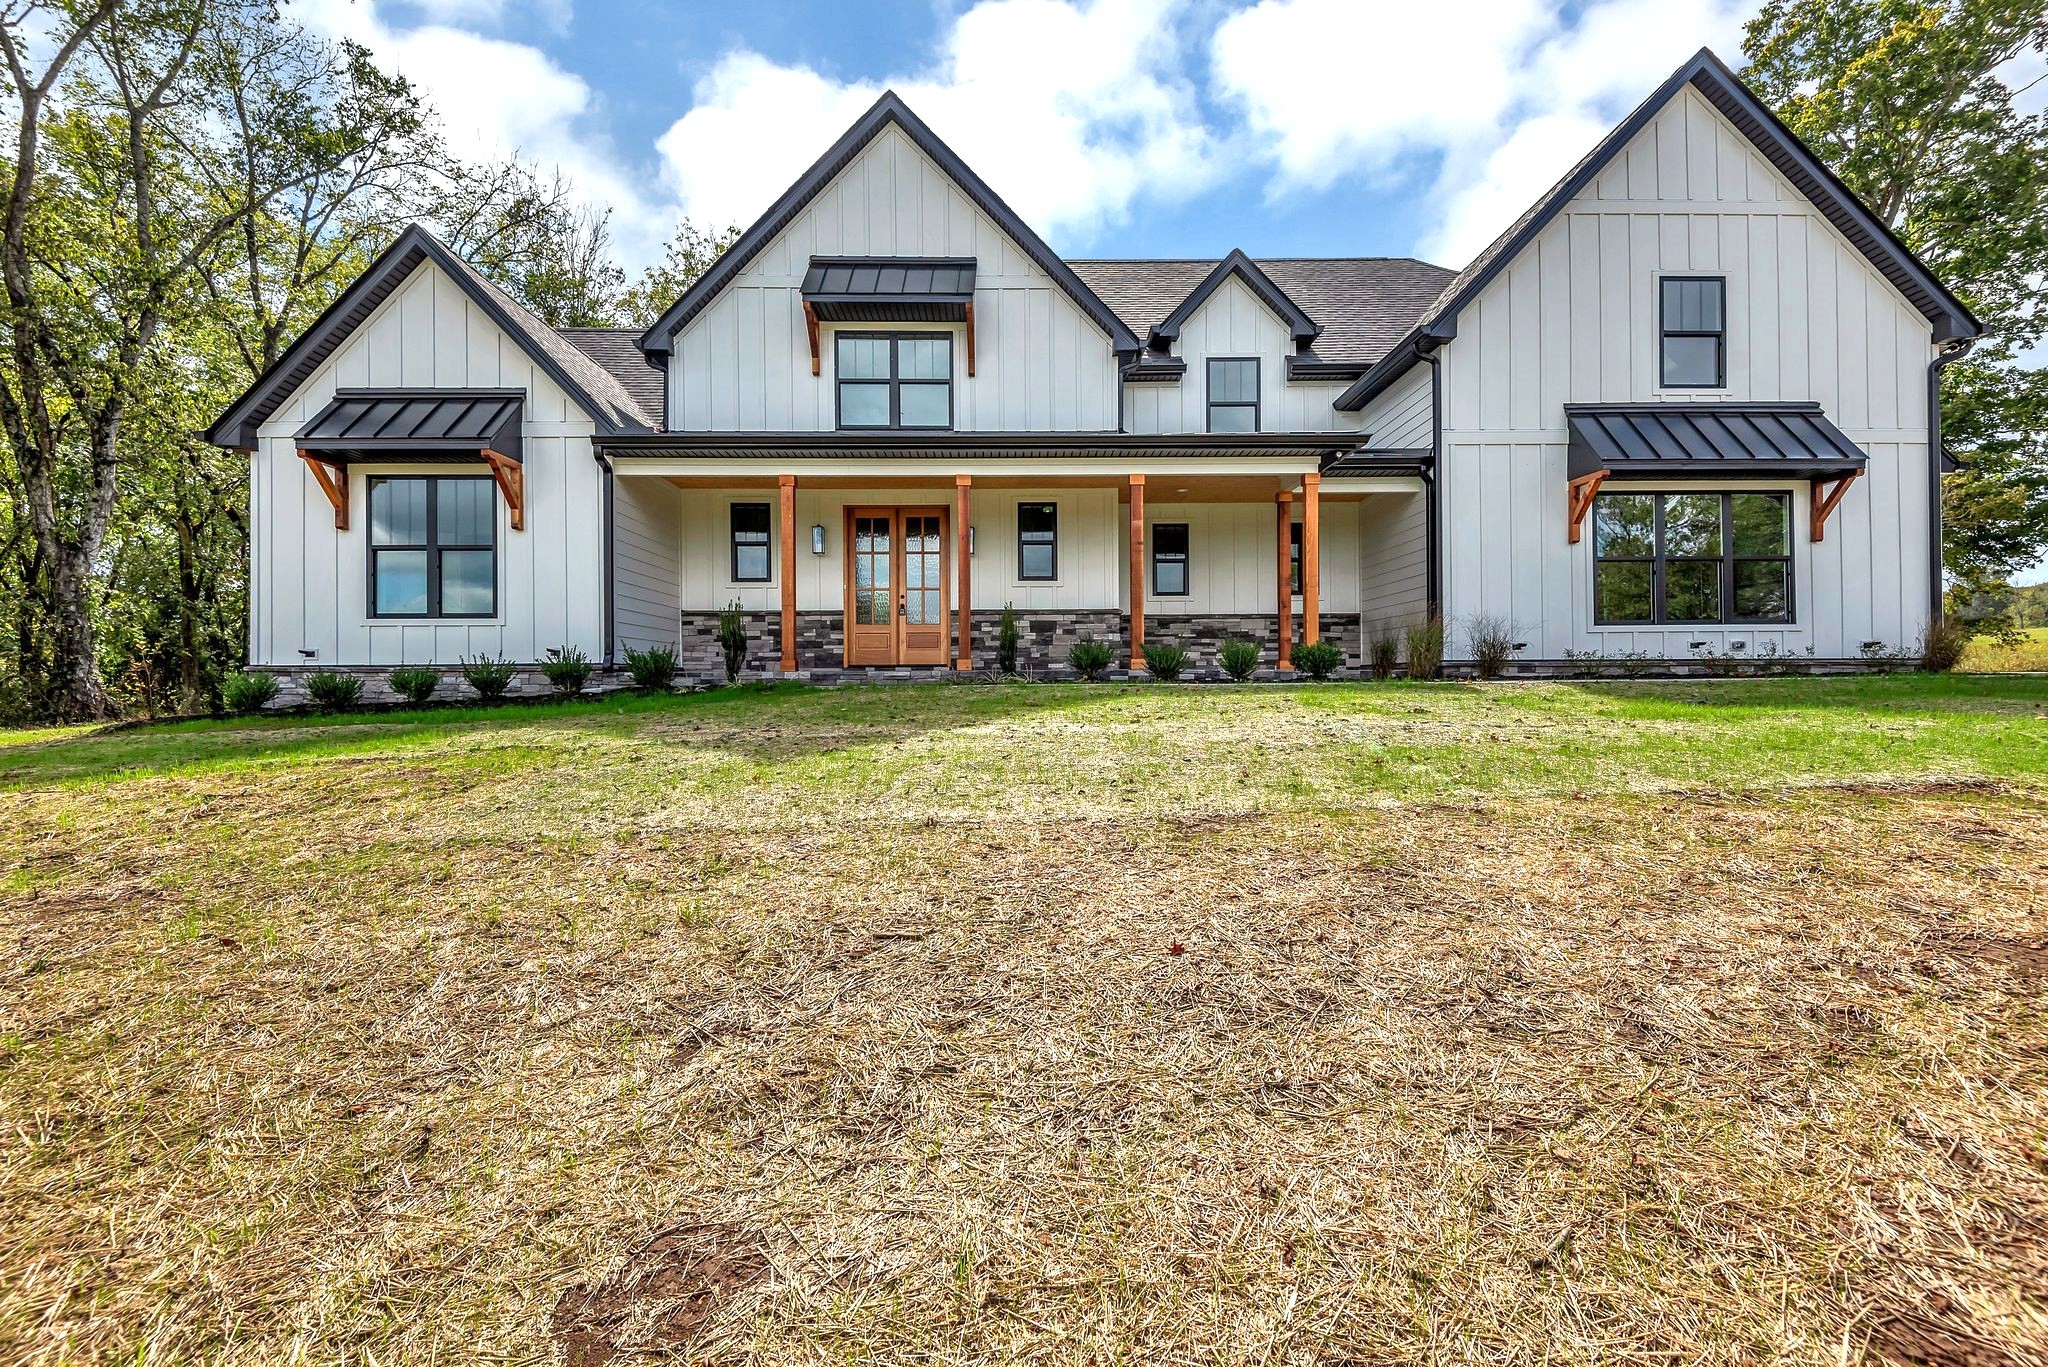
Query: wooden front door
x=897, y=597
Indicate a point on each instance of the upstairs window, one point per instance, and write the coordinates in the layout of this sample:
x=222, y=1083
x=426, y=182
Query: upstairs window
x=1692, y=558
x=1693, y=321
x=895, y=380
x=1170, y=559
x=1038, y=541
x=433, y=547
x=749, y=543
x=1234, y=394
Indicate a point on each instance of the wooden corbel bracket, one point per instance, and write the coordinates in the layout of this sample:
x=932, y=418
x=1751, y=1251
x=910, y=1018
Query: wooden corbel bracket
x=1826, y=497
x=1579, y=501
x=333, y=479
x=811, y=328
x=511, y=478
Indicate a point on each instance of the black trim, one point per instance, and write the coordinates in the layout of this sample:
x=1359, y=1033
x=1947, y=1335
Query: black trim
x=1727, y=561
x=432, y=547
x=1315, y=370
x=1304, y=328
x=1937, y=466
x=1053, y=543
x=1210, y=403
x=895, y=381
x=1185, y=559
x=1665, y=331
x=889, y=109
x=611, y=566
x=767, y=542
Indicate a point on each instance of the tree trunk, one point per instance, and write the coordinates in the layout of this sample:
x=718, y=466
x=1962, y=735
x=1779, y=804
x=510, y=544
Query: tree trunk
x=75, y=692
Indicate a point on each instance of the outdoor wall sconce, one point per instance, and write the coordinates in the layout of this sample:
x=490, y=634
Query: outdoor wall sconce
x=817, y=538
x=970, y=538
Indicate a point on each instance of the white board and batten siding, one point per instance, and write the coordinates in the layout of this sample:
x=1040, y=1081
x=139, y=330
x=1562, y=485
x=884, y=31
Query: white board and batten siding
x=1235, y=322
x=309, y=582
x=1574, y=319
x=744, y=363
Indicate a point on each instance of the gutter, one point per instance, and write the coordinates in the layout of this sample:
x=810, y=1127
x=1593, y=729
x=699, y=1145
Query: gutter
x=611, y=519
x=1954, y=351
x=1435, y=511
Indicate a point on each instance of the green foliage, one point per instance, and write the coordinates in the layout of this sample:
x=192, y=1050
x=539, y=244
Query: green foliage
x=732, y=639
x=1089, y=658
x=654, y=667
x=1383, y=652
x=1425, y=642
x=1239, y=658
x=414, y=683
x=489, y=677
x=244, y=693
x=333, y=692
x=1493, y=645
x=567, y=668
x=1318, y=660
x=1006, y=642
x=1164, y=660
x=688, y=255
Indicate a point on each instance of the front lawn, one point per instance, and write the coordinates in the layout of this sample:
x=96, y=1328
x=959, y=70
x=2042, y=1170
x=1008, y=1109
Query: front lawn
x=1576, y=1023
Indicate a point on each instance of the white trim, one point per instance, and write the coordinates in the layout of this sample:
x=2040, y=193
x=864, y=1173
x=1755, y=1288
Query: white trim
x=1373, y=484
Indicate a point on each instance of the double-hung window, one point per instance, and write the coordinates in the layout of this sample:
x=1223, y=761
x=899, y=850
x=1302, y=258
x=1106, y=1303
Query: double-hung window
x=750, y=557
x=1170, y=559
x=1233, y=394
x=895, y=380
x=1038, y=540
x=1692, y=558
x=1693, y=332
x=433, y=547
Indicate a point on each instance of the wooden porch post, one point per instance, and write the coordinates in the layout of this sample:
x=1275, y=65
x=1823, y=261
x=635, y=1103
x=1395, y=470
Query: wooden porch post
x=1137, y=571
x=962, y=527
x=788, y=483
x=1311, y=560
x=1286, y=522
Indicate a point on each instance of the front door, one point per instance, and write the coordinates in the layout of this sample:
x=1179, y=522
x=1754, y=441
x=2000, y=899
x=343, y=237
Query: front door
x=896, y=595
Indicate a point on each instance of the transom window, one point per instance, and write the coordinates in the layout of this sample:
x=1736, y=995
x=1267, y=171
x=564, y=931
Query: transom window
x=1693, y=320
x=750, y=559
x=1692, y=558
x=1233, y=394
x=1170, y=559
x=433, y=547
x=895, y=380
x=1038, y=541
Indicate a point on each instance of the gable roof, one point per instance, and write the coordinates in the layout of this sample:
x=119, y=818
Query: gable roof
x=889, y=109
x=617, y=352
x=1237, y=264
x=1723, y=89
x=589, y=386
x=1364, y=304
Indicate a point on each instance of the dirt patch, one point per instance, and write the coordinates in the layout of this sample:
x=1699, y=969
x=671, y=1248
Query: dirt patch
x=662, y=1297
x=1912, y=1339
x=2025, y=955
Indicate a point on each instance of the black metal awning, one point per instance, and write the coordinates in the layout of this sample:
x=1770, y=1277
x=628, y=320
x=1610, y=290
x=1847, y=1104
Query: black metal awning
x=1708, y=441
x=890, y=289
x=415, y=424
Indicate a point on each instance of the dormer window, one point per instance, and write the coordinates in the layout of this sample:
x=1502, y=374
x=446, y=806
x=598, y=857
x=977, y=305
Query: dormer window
x=895, y=380
x=1234, y=394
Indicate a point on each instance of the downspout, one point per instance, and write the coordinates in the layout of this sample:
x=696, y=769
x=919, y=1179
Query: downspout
x=1954, y=351
x=610, y=515
x=1425, y=351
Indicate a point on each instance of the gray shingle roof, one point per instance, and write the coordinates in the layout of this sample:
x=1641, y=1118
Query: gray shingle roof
x=617, y=352
x=1365, y=303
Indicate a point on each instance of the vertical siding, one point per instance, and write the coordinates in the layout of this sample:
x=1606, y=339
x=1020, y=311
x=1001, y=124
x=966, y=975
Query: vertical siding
x=1574, y=320
x=309, y=582
x=1234, y=322
x=744, y=363
x=647, y=560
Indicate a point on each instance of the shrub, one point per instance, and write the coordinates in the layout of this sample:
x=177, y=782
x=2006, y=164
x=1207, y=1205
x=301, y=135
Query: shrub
x=1383, y=652
x=414, y=683
x=652, y=668
x=1943, y=643
x=1089, y=658
x=1425, y=648
x=245, y=693
x=1006, y=643
x=567, y=668
x=1318, y=660
x=1164, y=660
x=333, y=692
x=732, y=639
x=490, y=678
x=1240, y=659
x=1585, y=664
x=1493, y=644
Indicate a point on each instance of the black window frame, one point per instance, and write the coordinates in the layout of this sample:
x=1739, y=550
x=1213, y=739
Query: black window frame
x=433, y=546
x=1185, y=559
x=895, y=381
x=1665, y=332
x=1657, y=560
x=1053, y=543
x=1294, y=559
x=732, y=540
x=1209, y=390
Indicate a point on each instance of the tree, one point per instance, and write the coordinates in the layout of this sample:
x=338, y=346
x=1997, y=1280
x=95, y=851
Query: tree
x=1906, y=100
x=688, y=255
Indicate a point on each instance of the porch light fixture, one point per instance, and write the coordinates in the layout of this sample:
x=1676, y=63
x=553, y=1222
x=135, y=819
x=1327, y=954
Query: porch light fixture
x=970, y=538
x=817, y=538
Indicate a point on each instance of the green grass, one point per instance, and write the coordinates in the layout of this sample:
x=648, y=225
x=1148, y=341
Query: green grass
x=2028, y=654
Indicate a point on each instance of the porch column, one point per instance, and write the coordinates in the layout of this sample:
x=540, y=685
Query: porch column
x=961, y=485
x=788, y=484
x=1311, y=560
x=1137, y=571
x=1286, y=523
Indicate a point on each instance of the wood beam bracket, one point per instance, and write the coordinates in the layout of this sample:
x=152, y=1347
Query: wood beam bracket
x=1578, y=501
x=811, y=328
x=970, y=338
x=333, y=479
x=511, y=478
x=1826, y=496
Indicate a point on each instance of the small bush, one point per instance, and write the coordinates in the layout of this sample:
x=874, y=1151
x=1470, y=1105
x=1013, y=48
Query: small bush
x=1006, y=643
x=1164, y=660
x=1318, y=660
x=1493, y=644
x=1089, y=658
x=1943, y=643
x=332, y=692
x=490, y=678
x=652, y=668
x=245, y=693
x=1240, y=659
x=732, y=639
x=414, y=683
x=1383, y=653
x=1425, y=642
x=567, y=668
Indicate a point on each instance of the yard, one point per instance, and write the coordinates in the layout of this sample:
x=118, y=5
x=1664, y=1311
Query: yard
x=1361, y=1023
